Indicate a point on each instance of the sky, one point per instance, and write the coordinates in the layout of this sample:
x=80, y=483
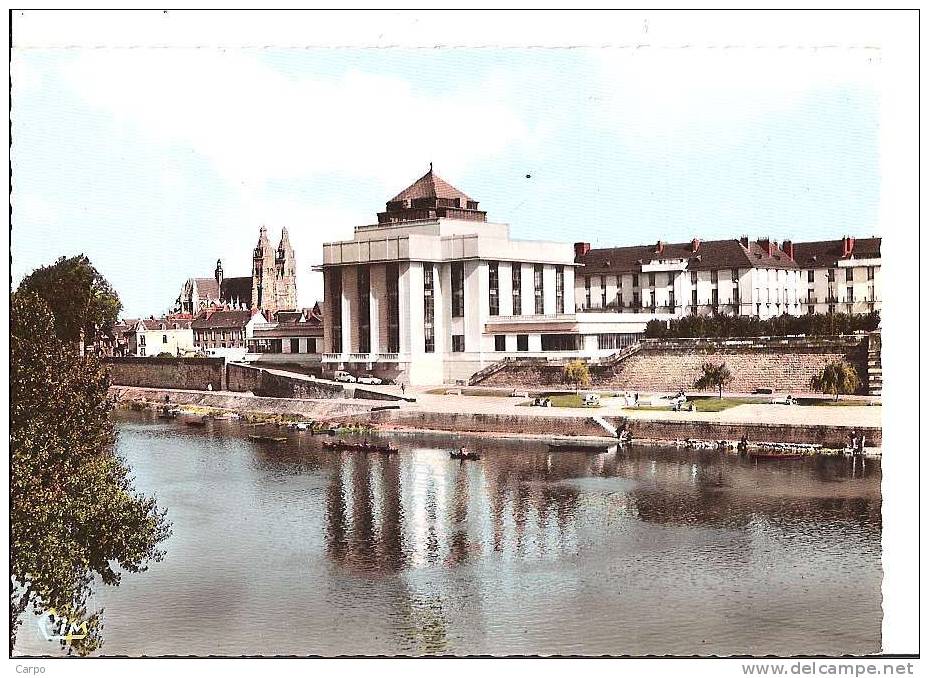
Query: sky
x=157, y=161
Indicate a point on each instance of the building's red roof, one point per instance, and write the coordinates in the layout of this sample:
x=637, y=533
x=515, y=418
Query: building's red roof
x=233, y=289
x=820, y=253
x=210, y=320
x=431, y=185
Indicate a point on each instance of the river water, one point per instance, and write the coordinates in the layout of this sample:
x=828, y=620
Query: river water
x=290, y=549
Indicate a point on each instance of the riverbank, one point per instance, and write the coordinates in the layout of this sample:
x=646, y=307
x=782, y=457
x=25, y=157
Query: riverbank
x=456, y=415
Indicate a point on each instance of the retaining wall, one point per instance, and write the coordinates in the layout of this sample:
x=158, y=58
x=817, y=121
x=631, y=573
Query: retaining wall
x=182, y=373
x=781, y=364
x=263, y=383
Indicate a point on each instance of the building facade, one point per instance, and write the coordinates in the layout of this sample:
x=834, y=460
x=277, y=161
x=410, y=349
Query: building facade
x=225, y=333
x=296, y=337
x=152, y=336
x=840, y=276
x=433, y=291
x=736, y=277
x=272, y=286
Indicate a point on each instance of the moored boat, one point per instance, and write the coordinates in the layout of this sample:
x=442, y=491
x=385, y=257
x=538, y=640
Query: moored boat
x=360, y=447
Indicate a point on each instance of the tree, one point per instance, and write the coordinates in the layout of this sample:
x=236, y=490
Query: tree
x=713, y=376
x=165, y=354
x=837, y=377
x=74, y=514
x=81, y=299
x=576, y=372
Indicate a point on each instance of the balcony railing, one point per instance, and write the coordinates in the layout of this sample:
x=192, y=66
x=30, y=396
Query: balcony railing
x=364, y=358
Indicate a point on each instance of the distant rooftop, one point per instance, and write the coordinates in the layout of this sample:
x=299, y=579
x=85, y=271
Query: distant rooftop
x=431, y=197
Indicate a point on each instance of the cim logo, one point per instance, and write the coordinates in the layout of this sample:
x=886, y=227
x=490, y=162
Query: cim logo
x=57, y=627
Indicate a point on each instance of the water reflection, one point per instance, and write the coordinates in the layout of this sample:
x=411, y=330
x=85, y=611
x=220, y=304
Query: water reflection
x=304, y=550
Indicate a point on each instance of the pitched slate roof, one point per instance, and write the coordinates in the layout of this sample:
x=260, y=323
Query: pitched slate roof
x=431, y=185
x=221, y=320
x=166, y=323
x=233, y=288
x=710, y=254
x=821, y=253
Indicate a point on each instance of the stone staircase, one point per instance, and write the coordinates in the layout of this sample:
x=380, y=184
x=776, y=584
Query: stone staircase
x=621, y=355
x=605, y=425
x=488, y=371
x=875, y=378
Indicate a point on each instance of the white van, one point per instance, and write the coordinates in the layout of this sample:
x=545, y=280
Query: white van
x=343, y=376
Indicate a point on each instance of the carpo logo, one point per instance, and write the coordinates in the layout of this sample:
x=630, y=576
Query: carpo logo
x=54, y=626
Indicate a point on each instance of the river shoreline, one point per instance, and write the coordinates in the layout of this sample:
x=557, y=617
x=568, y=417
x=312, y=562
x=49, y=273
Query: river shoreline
x=567, y=427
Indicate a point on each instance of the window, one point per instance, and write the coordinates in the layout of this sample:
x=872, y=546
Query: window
x=810, y=310
x=810, y=275
x=671, y=303
x=831, y=277
x=164, y=338
x=693, y=298
x=457, y=289
x=560, y=342
x=364, y=309
x=603, y=292
x=849, y=293
x=294, y=345
x=539, y=285
x=635, y=299
x=141, y=340
x=429, y=308
x=458, y=345
x=586, y=291
x=870, y=273
x=735, y=275
x=670, y=279
x=635, y=279
x=522, y=342
x=651, y=279
x=494, y=287
x=517, y=276
x=615, y=341
x=735, y=296
x=849, y=274
x=500, y=342
x=142, y=350
x=693, y=277
x=715, y=297
x=559, y=289
x=393, y=308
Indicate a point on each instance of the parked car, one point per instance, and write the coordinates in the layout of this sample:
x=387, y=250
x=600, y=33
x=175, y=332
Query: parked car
x=369, y=379
x=345, y=377
x=786, y=400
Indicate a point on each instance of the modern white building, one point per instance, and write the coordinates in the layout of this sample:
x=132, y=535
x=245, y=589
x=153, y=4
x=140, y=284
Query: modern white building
x=434, y=292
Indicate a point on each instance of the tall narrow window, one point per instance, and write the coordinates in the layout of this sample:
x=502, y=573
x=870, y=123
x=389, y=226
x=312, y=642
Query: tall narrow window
x=587, y=292
x=602, y=291
x=393, y=308
x=429, y=308
x=714, y=276
x=849, y=274
x=693, y=277
x=539, y=285
x=517, y=278
x=809, y=276
x=334, y=292
x=651, y=279
x=364, y=309
x=870, y=273
x=458, y=344
x=559, y=289
x=458, y=297
x=494, y=287
x=635, y=279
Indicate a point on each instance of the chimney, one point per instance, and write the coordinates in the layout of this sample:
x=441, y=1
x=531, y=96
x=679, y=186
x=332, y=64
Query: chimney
x=788, y=248
x=848, y=244
x=767, y=245
x=659, y=248
x=744, y=241
x=695, y=244
x=581, y=248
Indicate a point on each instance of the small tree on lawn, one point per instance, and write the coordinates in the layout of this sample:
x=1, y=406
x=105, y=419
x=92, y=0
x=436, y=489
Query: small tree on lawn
x=576, y=372
x=837, y=377
x=714, y=376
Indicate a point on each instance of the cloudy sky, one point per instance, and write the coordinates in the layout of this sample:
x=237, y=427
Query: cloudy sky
x=157, y=161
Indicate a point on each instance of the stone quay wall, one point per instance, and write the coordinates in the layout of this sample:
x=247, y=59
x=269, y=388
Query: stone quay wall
x=782, y=364
x=266, y=384
x=196, y=374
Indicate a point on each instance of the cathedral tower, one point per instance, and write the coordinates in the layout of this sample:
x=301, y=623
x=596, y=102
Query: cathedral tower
x=286, y=275
x=263, y=275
